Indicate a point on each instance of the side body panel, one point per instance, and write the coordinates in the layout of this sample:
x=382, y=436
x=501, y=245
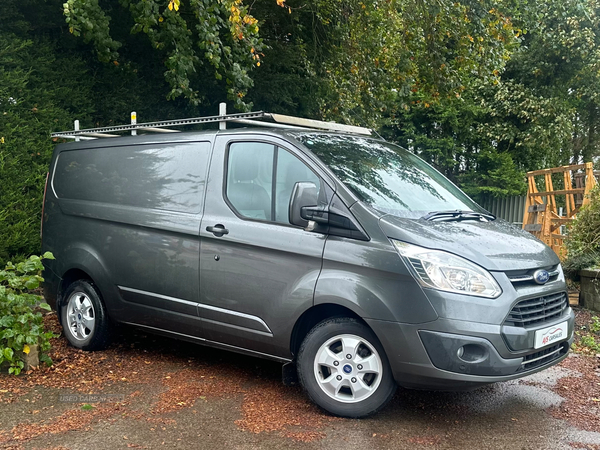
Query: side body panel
x=138, y=245
x=369, y=278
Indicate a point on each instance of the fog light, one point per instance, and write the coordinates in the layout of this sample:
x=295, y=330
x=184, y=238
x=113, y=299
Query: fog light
x=472, y=353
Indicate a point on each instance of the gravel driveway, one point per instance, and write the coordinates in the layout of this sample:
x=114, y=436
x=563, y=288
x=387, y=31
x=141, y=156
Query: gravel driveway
x=152, y=392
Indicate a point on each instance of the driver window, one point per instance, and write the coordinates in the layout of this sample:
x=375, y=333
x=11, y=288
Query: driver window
x=290, y=170
x=250, y=179
x=254, y=189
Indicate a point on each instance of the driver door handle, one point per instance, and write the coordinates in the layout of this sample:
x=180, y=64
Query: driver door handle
x=218, y=230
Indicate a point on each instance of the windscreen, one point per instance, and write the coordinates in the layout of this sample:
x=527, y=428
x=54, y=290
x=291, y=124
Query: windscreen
x=386, y=176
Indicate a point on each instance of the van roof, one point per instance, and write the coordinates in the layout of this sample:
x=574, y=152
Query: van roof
x=186, y=136
x=254, y=119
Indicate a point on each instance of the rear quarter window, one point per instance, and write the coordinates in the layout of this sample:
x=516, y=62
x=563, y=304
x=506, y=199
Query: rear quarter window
x=170, y=177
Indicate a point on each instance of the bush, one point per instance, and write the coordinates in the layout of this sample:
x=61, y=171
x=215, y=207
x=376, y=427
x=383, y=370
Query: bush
x=573, y=264
x=21, y=322
x=590, y=338
x=46, y=81
x=583, y=241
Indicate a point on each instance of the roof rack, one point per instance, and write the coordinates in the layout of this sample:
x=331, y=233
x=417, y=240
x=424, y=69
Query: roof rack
x=251, y=118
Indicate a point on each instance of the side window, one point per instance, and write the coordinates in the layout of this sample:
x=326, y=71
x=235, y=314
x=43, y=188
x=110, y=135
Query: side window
x=250, y=179
x=290, y=170
x=254, y=189
x=169, y=177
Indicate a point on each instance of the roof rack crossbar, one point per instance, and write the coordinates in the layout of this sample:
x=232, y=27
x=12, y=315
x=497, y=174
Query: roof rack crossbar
x=250, y=118
x=99, y=135
x=79, y=137
x=258, y=123
x=310, y=123
x=160, y=130
x=161, y=124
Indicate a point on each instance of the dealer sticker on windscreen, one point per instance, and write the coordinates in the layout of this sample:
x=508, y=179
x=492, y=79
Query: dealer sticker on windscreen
x=551, y=335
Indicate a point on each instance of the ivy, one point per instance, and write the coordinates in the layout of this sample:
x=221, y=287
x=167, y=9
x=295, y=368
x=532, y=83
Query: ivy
x=21, y=322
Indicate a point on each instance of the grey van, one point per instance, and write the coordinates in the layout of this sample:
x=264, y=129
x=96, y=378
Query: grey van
x=344, y=257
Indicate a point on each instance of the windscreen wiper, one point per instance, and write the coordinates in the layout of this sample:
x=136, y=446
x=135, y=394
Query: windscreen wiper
x=447, y=216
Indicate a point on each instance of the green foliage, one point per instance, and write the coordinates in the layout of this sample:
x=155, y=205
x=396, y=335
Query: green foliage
x=448, y=135
x=33, y=82
x=595, y=325
x=589, y=340
x=573, y=264
x=21, y=324
x=494, y=174
x=48, y=78
x=583, y=239
x=188, y=35
x=533, y=129
x=584, y=231
x=86, y=18
x=590, y=343
x=484, y=91
x=470, y=87
x=557, y=65
x=392, y=55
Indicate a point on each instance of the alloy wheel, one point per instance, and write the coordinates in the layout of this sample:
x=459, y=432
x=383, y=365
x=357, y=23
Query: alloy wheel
x=80, y=315
x=348, y=368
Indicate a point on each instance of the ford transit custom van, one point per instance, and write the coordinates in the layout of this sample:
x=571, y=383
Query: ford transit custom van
x=342, y=256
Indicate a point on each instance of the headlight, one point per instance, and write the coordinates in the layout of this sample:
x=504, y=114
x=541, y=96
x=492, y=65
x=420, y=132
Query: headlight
x=447, y=272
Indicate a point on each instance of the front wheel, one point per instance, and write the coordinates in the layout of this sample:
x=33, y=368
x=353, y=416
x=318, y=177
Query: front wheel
x=344, y=370
x=83, y=316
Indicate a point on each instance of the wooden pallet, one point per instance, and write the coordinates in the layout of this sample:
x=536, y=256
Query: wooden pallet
x=541, y=217
x=574, y=298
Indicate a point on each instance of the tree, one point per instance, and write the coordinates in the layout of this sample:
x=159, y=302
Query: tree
x=47, y=79
x=482, y=90
x=412, y=70
x=474, y=88
x=188, y=34
x=559, y=63
x=28, y=113
x=393, y=55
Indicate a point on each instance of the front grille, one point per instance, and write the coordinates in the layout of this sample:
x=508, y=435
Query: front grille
x=535, y=311
x=524, y=277
x=543, y=357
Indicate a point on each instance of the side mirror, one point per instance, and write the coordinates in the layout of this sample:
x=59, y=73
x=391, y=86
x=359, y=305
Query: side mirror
x=304, y=194
x=335, y=218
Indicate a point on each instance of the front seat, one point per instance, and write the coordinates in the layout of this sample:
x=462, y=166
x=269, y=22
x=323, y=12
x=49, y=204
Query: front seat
x=248, y=198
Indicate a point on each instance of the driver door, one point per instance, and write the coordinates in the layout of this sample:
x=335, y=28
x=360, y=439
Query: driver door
x=257, y=271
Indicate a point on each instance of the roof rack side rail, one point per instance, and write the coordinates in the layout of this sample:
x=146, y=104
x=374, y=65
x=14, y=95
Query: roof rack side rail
x=249, y=118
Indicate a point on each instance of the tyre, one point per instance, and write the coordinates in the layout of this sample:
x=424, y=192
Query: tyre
x=83, y=316
x=344, y=370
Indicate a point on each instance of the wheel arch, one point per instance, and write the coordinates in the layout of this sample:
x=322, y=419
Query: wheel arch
x=313, y=316
x=81, y=263
x=69, y=277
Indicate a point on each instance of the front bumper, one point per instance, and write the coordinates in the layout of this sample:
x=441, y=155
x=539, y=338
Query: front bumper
x=426, y=356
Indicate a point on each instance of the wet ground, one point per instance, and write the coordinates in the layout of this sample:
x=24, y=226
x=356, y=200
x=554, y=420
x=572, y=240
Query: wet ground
x=152, y=392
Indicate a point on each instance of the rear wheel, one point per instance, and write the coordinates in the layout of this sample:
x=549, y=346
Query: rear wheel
x=344, y=369
x=83, y=316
